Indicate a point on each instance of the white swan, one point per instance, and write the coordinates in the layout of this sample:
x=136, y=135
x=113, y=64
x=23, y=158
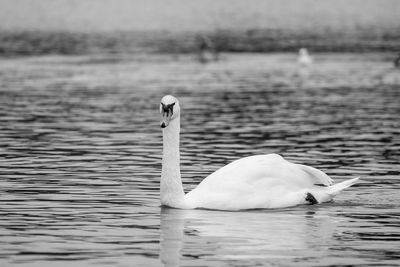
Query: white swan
x=262, y=181
x=304, y=57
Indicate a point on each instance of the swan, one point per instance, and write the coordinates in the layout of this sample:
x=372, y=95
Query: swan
x=207, y=51
x=254, y=182
x=304, y=57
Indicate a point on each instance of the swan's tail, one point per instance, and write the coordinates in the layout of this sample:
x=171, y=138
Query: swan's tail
x=336, y=188
x=326, y=194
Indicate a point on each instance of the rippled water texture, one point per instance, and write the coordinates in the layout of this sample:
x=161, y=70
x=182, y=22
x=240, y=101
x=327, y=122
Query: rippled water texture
x=80, y=160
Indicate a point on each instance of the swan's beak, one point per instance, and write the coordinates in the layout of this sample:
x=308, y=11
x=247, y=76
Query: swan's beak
x=165, y=119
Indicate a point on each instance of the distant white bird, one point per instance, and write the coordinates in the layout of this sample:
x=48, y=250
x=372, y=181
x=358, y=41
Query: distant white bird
x=207, y=51
x=261, y=181
x=304, y=57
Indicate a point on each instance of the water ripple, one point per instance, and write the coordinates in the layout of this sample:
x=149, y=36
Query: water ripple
x=80, y=159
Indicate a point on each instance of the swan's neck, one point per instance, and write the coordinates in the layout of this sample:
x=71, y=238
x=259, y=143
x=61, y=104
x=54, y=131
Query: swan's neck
x=171, y=189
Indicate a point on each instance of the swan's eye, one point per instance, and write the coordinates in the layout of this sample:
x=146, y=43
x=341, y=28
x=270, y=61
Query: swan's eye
x=167, y=109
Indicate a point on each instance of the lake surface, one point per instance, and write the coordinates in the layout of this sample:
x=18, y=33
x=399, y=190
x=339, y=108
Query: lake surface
x=80, y=163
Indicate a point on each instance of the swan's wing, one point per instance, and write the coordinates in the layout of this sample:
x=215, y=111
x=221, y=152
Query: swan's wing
x=271, y=169
x=260, y=181
x=318, y=177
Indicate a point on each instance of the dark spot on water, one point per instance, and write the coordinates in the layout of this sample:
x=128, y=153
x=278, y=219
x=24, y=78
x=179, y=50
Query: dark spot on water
x=311, y=199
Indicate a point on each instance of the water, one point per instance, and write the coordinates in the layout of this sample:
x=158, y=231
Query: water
x=80, y=163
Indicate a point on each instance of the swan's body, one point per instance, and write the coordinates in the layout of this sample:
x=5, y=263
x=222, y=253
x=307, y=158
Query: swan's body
x=261, y=181
x=304, y=57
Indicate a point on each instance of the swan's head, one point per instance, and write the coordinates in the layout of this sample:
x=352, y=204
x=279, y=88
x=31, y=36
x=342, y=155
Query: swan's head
x=169, y=110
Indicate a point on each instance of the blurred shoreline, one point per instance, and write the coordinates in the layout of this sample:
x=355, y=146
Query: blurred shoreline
x=45, y=42
x=72, y=27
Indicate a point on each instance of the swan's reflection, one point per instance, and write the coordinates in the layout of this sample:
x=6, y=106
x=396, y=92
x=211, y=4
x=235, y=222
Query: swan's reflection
x=302, y=77
x=260, y=234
